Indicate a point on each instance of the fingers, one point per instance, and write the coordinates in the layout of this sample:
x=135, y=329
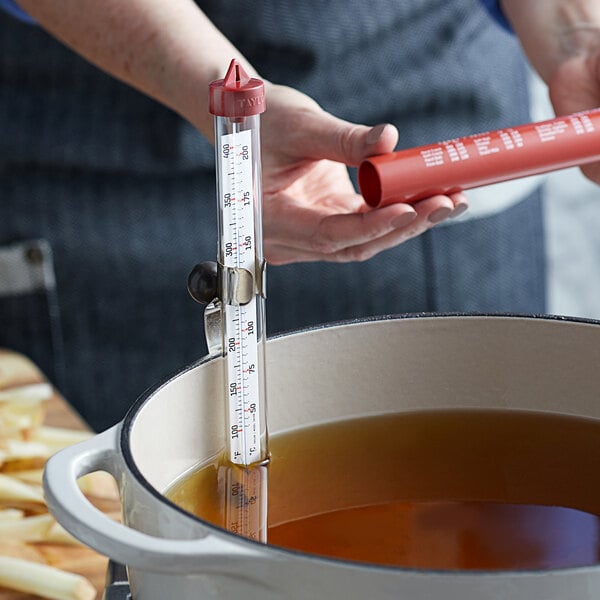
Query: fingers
x=592, y=172
x=310, y=210
x=320, y=234
x=360, y=236
x=461, y=204
x=331, y=138
x=296, y=129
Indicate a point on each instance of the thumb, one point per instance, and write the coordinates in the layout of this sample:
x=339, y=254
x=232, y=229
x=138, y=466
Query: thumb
x=349, y=143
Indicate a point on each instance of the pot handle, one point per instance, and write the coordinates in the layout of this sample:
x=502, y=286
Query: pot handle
x=210, y=554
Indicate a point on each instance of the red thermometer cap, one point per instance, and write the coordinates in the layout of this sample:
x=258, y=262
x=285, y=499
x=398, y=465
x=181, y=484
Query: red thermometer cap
x=237, y=95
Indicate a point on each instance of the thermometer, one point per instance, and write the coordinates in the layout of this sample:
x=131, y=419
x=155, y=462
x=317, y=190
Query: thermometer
x=236, y=103
x=234, y=290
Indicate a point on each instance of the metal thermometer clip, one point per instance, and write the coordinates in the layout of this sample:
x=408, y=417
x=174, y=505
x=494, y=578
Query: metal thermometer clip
x=234, y=287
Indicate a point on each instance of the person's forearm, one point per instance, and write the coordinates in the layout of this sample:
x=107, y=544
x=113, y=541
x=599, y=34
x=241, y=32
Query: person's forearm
x=168, y=50
x=552, y=31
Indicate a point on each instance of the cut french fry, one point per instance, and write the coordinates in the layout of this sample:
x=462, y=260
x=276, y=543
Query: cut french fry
x=22, y=551
x=30, y=529
x=41, y=528
x=18, y=450
x=23, y=409
x=99, y=485
x=13, y=490
x=34, y=549
x=16, y=369
x=27, y=395
x=15, y=424
x=22, y=464
x=57, y=534
x=10, y=514
x=30, y=476
x=43, y=580
x=56, y=438
x=29, y=508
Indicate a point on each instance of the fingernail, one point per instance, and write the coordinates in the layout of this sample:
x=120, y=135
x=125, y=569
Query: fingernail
x=375, y=134
x=403, y=220
x=459, y=209
x=439, y=215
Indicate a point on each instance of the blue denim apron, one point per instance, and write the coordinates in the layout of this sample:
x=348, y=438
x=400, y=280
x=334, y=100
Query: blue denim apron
x=107, y=199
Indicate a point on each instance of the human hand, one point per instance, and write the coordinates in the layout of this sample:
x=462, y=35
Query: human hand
x=562, y=41
x=310, y=208
x=575, y=86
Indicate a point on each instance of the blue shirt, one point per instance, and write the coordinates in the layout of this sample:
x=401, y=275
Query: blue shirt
x=13, y=9
x=492, y=6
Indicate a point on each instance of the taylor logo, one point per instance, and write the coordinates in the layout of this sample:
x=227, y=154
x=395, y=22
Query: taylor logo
x=256, y=101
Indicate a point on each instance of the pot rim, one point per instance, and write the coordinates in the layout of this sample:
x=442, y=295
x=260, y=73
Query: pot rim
x=129, y=421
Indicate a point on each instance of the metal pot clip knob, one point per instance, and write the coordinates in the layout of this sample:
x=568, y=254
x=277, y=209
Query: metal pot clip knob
x=214, y=284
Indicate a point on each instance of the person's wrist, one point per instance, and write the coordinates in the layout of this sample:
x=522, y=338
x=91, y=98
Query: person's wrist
x=579, y=39
x=577, y=29
x=556, y=32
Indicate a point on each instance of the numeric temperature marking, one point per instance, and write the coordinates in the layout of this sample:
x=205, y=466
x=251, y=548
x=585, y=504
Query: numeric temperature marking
x=246, y=506
x=241, y=347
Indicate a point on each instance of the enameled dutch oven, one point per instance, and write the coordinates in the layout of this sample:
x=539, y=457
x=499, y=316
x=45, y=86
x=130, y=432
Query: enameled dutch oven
x=346, y=370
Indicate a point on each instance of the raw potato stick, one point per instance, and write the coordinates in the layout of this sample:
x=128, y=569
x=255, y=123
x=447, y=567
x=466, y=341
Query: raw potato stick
x=27, y=394
x=18, y=450
x=11, y=514
x=34, y=549
x=30, y=529
x=29, y=476
x=57, y=438
x=39, y=528
x=16, y=370
x=13, y=490
x=43, y=580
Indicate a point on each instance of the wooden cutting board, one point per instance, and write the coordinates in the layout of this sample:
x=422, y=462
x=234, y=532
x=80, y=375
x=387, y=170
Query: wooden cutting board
x=15, y=369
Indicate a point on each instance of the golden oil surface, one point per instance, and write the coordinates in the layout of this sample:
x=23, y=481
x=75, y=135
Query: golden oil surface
x=459, y=489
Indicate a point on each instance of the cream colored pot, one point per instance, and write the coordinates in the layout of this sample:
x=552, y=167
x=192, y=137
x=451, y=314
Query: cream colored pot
x=341, y=371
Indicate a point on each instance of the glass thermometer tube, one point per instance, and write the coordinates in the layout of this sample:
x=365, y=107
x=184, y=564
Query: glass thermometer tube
x=237, y=102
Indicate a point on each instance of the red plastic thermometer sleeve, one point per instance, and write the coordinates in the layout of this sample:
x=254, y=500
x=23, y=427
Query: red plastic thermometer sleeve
x=481, y=159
